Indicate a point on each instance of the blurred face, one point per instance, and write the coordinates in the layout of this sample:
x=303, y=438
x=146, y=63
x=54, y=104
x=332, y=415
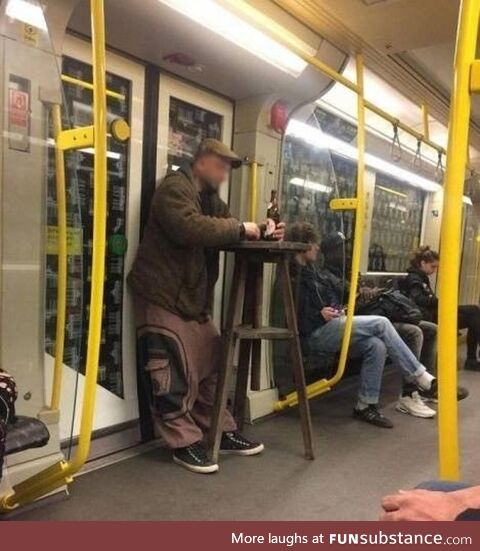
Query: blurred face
x=311, y=254
x=429, y=267
x=212, y=171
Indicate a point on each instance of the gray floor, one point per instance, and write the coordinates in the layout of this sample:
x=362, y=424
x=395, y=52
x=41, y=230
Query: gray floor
x=356, y=465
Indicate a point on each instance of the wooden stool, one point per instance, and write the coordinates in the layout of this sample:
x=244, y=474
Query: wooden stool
x=244, y=324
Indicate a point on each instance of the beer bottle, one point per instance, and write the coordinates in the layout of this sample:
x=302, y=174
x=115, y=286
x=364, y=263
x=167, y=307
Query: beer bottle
x=273, y=216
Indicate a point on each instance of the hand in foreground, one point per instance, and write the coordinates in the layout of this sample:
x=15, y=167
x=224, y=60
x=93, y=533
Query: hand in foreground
x=252, y=231
x=423, y=505
x=279, y=233
x=329, y=313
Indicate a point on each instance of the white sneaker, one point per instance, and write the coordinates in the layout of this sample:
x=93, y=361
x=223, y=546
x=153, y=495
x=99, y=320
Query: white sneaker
x=414, y=405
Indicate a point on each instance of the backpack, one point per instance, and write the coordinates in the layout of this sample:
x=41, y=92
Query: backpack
x=393, y=305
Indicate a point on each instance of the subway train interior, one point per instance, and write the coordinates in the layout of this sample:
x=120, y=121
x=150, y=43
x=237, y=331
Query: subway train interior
x=353, y=118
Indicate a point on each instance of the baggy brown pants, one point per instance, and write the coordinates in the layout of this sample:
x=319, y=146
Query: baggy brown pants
x=179, y=360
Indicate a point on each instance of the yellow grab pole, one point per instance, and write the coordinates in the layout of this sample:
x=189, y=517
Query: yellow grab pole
x=61, y=473
x=450, y=240
x=426, y=124
x=89, y=86
x=324, y=385
x=253, y=190
x=99, y=231
x=62, y=260
x=359, y=223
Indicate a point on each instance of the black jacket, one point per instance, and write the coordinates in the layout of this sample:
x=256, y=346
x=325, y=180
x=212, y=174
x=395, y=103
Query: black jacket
x=318, y=289
x=417, y=287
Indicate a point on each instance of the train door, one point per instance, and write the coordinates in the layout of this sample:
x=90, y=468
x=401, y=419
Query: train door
x=186, y=116
x=116, y=393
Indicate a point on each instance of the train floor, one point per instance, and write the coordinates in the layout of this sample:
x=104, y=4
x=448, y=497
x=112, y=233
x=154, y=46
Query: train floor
x=356, y=465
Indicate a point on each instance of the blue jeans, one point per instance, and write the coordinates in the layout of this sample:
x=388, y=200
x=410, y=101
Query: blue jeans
x=442, y=486
x=373, y=337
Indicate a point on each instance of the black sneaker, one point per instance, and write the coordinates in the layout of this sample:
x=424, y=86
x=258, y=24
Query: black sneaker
x=236, y=443
x=371, y=415
x=471, y=364
x=428, y=396
x=195, y=459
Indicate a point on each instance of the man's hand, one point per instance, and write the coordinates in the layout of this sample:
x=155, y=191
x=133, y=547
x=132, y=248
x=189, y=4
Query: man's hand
x=252, y=231
x=279, y=233
x=423, y=505
x=329, y=313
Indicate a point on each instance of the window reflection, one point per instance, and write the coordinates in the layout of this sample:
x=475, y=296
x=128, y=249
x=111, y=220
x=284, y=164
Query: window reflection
x=396, y=224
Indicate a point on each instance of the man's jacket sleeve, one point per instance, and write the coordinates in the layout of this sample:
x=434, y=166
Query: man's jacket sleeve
x=175, y=210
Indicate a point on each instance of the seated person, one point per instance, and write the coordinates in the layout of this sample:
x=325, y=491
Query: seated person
x=417, y=286
x=8, y=395
x=321, y=323
x=434, y=501
x=422, y=340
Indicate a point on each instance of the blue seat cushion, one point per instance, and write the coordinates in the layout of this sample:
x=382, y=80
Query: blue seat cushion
x=25, y=433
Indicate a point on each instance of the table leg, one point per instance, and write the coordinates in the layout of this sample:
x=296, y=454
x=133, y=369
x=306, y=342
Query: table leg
x=242, y=382
x=226, y=365
x=297, y=358
x=255, y=382
x=246, y=346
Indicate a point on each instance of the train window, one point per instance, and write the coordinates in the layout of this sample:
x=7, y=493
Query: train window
x=312, y=177
x=79, y=179
x=188, y=126
x=396, y=224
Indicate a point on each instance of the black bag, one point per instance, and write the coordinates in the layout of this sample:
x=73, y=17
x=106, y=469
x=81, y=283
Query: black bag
x=393, y=305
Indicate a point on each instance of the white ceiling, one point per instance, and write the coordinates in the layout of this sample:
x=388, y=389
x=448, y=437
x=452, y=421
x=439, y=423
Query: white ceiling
x=435, y=63
x=421, y=32
x=397, y=25
x=154, y=31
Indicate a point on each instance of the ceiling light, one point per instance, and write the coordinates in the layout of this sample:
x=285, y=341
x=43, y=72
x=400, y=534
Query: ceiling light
x=315, y=186
x=27, y=12
x=317, y=138
x=235, y=29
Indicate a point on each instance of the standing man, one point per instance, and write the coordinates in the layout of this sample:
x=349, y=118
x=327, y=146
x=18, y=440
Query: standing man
x=172, y=280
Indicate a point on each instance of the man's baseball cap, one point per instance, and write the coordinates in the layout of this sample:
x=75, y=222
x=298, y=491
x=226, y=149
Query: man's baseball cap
x=332, y=241
x=210, y=145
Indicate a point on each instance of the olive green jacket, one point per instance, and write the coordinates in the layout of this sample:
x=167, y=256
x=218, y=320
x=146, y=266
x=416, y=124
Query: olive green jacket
x=175, y=266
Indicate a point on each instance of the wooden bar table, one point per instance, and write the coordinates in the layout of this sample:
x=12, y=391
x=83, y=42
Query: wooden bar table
x=244, y=326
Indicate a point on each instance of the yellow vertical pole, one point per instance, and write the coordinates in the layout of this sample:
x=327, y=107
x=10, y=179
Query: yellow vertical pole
x=253, y=190
x=62, y=260
x=359, y=223
x=99, y=230
x=450, y=239
x=426, y=125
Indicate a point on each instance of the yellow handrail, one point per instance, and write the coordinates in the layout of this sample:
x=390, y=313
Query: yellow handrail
x=426, y=124
x=62, y=259
x=324, y=385
x=450, y=238
x=89, y=86
x=61, y=473
x=359, y=226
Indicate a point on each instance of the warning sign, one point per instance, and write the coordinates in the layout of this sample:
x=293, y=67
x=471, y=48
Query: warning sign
x=74, y=240
x=18, y=109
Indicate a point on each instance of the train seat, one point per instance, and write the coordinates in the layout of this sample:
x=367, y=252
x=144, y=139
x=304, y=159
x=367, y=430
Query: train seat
x=25, y=433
